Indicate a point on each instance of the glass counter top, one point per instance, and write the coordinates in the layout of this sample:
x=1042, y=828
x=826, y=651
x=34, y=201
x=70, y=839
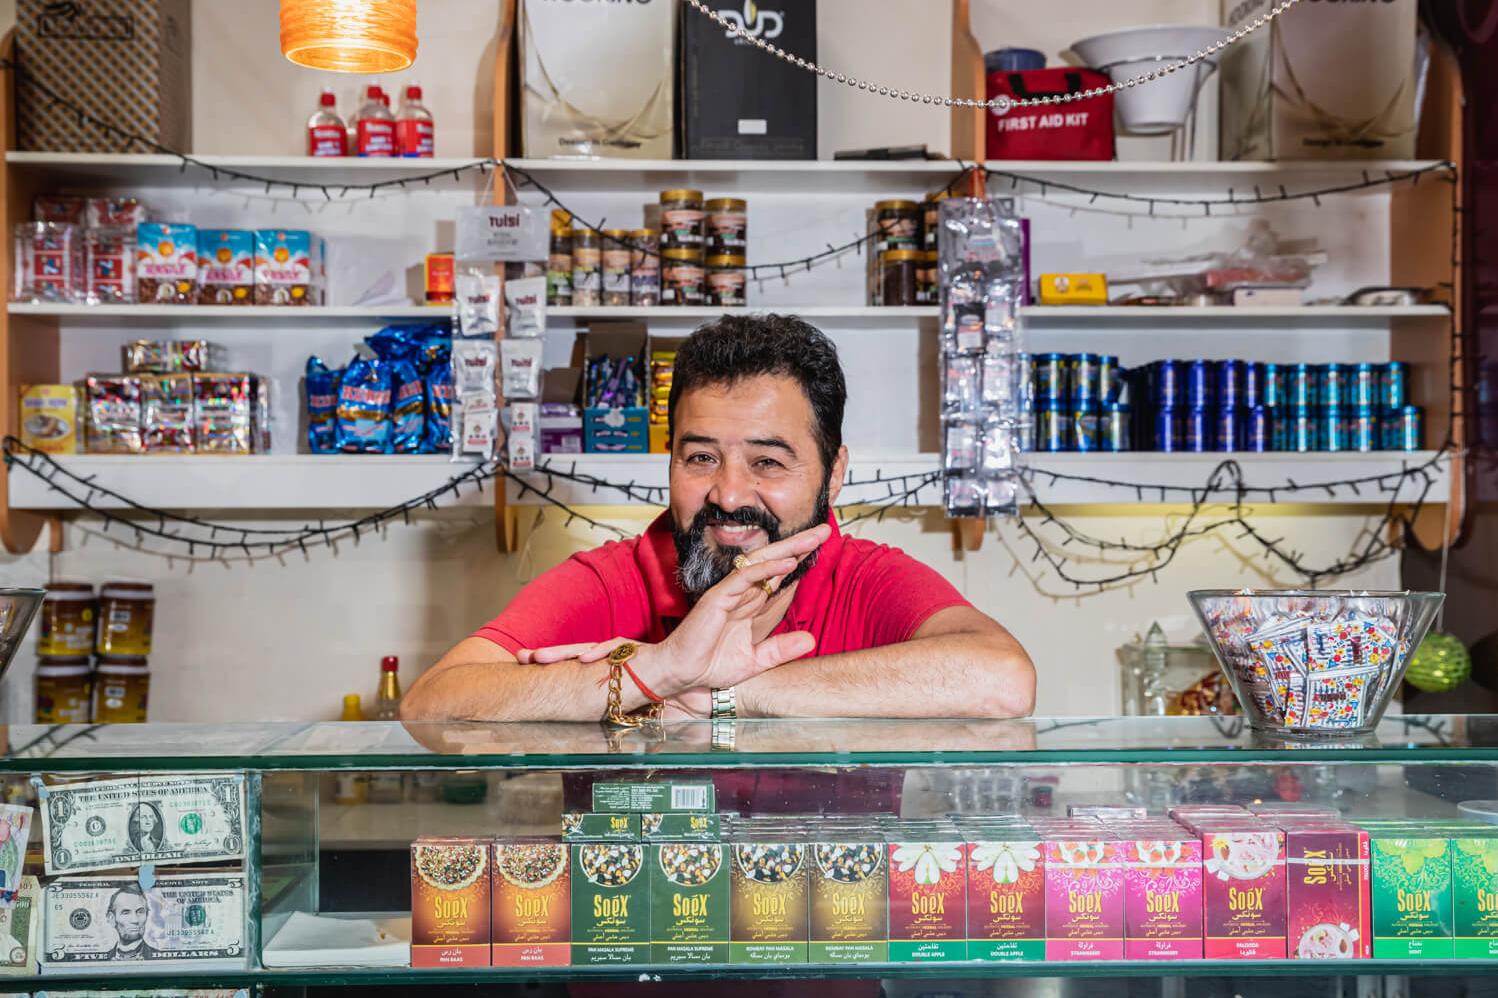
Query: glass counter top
x=326, y=745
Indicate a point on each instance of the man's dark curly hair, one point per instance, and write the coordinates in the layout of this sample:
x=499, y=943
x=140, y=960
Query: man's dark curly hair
x=734, y=347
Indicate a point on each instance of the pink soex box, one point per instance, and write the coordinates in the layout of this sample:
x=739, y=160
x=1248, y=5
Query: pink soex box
x=1084, y=898
x=1162, y=894
x=1327, y=892
x=1243, y=890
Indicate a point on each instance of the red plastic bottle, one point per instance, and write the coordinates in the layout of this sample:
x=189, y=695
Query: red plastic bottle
x=327, y=135
x=414, y=131
x=376, y=127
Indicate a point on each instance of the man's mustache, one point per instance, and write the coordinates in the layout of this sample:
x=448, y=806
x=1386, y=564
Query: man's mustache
x=750, y=516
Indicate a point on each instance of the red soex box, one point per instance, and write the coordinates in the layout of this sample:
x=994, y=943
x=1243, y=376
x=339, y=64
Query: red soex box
x=1329, y=910
x=1163, y=895
x=927, y=901
x=1243, y=891
x=1084, y=907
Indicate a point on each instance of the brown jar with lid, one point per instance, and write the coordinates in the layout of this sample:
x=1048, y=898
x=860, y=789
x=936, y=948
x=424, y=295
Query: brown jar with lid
x=681, y=220
x=559, y=260
x=126, y=613
x=928, y=280
x=644, y=267
x=727, y=227
x=682, y=277
x=68, y=614
x=727, y=281
x=931, y=219
x=122, y=686
x=897, y=276
x=616, y=266
x=897, y=225
x=64, y=689
x=587, y=268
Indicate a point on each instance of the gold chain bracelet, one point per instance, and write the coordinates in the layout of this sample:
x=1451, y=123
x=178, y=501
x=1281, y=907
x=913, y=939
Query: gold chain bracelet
x=614, y=714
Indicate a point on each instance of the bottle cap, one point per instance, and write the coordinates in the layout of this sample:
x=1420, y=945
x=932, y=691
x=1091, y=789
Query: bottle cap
x=327, y=99
x=385, y=99
x=413, y=92
x=351, y=700
x=390, y=664
x=373, y=91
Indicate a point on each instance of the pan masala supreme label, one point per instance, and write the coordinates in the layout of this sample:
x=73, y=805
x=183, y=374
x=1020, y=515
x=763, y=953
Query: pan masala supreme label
x=1243, y=895
x=1411, y=896
x=1005, y=900
x=450, y=903
x=610, y=904
x=532, y=915
x=1163, y=898
x=927, y=902
x=689, y=903
x=770, y=908
x=849, y=903
x=1084, y=900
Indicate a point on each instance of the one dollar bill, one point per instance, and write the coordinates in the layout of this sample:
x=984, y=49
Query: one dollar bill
x=18, y=929
x=106, y=824
x=185, y=919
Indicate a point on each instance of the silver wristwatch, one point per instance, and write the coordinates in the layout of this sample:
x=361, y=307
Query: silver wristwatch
x=725, y=704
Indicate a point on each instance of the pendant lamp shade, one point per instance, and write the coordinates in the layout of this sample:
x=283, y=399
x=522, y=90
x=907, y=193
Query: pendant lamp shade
x=349, y=36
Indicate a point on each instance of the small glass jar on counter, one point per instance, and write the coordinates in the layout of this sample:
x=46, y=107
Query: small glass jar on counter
x=121, y=688
x=897, y=226
x=727, y=281
x=644, y=267
x=587, y=268
x=64, y=691
x=126, y=614
x=559, y=260
x=682, y=277
x=616, y=266
x=928, y=279
x=68, y=615
x=727, y=227
x=897, y=276
x=681, y=220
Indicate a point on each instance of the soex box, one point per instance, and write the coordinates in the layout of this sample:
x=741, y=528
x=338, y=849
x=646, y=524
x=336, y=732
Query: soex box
x=1412, y=916
x=1243, y=894
x=770, y=909
x=849, y=903
x=1327, y=893
x=610, y=904
x=450, y=903
x=1474, y=886
x=1006, y=898
x=1163, y=898
x=654, y=797
x=532, y=913
x=927, y=902
x=680, y=827
x=1084, y=900
x=689, y=903
x=592, y=826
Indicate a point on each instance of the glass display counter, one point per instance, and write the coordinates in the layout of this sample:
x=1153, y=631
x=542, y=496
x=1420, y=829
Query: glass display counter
x=934, y=856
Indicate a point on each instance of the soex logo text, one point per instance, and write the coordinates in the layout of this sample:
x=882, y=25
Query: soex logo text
x=754, y=22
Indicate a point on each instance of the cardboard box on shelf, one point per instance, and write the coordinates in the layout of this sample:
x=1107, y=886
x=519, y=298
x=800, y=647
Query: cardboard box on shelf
x=130, y=58
x=1325, y=81
x=614, y=429
x=561, y=419
x=725, y=115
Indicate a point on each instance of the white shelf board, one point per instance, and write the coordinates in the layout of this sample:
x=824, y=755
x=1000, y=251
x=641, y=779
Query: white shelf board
x=858, y=314
x=1294, y=315
x=159, y=315
x=332, y=482
x=155, y=170
x=874, y=176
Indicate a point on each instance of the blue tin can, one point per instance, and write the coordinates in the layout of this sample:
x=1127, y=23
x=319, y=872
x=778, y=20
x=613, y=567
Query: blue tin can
x=1275, y=385
x=1333, y=390
x=1363, y=387
x=1086, y=429
x=1257, y=430
x=1198, y=384
x=1084, y=380
x=1404, y=428
x=1167, y=436
x=1394, y=385
x=1052, y=427
x=1050, y=378
x=1362, y=428
x=1297, y=430
x=1228, y=384
x=1114, y=430
x=1167, y=384
x=1026, y=365
x=1300, y=386
x=1331, y=429
x=1109, y=379
x=1253, y=385
x=1226, y=434
x=1196, y=430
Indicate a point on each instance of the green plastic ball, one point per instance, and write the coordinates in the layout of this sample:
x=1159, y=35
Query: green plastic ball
x=1441, y=663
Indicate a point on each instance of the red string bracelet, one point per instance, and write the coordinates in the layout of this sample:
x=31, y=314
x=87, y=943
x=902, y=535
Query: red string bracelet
x=649, y=694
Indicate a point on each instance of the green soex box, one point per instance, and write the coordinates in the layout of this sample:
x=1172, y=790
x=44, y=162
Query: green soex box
x=591, y=826
x=689, y=902
x=1474, y=885
x=654, y=797
x=681, y=826
x=1412, y=917
x=610, y=904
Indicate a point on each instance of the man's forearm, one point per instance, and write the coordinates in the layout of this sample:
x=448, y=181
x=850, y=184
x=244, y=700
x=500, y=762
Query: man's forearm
x=508, y=691
x=948, y=675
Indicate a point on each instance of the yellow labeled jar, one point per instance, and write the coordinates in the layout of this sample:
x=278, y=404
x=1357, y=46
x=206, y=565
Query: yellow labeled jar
x=126, y=613
x=63, y=691
x=121, y=688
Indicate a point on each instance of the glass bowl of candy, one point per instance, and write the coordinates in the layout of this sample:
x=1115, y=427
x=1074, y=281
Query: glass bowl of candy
x=1314, y=664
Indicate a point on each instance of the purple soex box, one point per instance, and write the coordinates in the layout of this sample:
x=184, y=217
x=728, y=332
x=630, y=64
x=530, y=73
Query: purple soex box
x=1243, y=890
x=1084, y=907
x=1163, y=897
x=1327, y=895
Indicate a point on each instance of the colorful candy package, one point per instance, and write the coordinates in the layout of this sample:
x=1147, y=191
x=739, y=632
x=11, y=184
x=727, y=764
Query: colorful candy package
x=439, y=398
x=362, y=421
x=322, y=407
x=408, y=392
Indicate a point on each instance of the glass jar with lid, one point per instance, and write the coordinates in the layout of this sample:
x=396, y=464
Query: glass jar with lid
x=644, y=267
x=616, y=266
x=681, y=220
x=727, y=281
x=68, y=618
x=682, y=277
x=64, y=688
x=127, y=611
x=559, y=260
x=897, y=276
x=727, y=227
x=587, y=268
x=897, y=225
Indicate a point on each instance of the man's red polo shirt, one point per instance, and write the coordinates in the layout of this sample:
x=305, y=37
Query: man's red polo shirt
x=858, y=595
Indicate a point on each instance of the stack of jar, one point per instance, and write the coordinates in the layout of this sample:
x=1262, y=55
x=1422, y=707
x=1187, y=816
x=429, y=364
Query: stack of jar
x=1076, y=404
x=696, y=258
x=902, y=258
x=114, y=627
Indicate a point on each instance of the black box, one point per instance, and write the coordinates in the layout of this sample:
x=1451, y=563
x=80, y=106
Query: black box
x=738, y=102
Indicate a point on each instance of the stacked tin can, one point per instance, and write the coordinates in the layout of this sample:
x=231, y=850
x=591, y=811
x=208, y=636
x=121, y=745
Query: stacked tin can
x=1237, y=405
x=1075, y=403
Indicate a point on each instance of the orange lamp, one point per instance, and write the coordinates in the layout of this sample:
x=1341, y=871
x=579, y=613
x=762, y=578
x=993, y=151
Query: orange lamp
x=349, y=36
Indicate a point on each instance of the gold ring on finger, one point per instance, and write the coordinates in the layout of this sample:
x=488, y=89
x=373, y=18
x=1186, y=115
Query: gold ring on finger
x=741, y=561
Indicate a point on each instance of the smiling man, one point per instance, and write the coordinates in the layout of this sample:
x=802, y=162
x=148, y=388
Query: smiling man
x=743, y=598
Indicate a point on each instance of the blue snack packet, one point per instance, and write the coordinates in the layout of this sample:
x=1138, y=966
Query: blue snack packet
x=322, y=407
x=395, y=347
x=440, y=395
x=362, y=423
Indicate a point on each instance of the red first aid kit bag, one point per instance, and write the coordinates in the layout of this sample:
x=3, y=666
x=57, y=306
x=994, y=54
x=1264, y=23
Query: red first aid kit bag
x=1080, y=129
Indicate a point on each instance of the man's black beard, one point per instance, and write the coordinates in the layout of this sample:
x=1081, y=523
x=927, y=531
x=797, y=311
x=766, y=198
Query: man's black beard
x=699, y=566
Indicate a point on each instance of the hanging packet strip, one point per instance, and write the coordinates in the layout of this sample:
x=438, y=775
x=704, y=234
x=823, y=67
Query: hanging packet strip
x=408, y=392
x=520, y=367
x=476, y=303
x=322, y=407
x=363, y=416
x=525, y=312
x=474, y=362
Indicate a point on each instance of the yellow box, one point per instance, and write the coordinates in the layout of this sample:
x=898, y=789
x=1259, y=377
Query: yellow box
x=49, y=418
x=1073, y=289
x=660, y=441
